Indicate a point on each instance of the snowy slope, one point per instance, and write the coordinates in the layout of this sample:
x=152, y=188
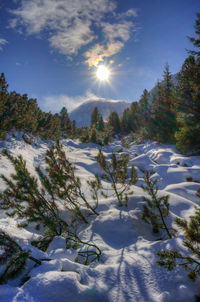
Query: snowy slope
x=128, y=271
x=82, y=113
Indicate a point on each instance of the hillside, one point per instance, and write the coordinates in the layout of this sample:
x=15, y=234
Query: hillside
x=83, y=112
x=127, y=271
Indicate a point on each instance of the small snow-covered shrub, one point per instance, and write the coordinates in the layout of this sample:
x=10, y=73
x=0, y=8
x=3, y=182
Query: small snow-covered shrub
x=116, y=172
x=171, y=259
x=156, y=208
x=13, y=258
x=24, y=199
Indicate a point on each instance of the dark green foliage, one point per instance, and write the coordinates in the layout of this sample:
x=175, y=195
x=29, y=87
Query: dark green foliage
x=171, y=259
x=13, y=258
x=114, y=122
x=188, y=105
x=3, y=99
x=94, y=117
x=100, y=123
x=196, y=41
x=62, y=182
x=93, y=137
x=65, y=123
x=116, y=172
x=163, y=114
x=133, y=119
x=50, y=126
x=24, y=199
x=21, y=113
x=88, y=252
x=95, y=186
x=156, y=209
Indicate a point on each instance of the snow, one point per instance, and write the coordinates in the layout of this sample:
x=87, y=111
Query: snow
x=127, y=271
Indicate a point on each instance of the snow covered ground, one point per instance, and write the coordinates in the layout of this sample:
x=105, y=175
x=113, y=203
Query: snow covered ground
x=128, y=271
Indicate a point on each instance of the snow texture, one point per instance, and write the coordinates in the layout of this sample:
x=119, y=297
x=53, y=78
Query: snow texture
x=128, y=271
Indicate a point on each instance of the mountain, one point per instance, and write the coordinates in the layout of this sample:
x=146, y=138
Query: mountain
x=83, y=112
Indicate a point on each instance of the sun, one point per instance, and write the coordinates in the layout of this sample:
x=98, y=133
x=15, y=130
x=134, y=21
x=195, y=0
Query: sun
x=102, y=73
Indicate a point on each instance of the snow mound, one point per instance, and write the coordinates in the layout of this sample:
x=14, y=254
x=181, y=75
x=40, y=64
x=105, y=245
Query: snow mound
x=127, y=271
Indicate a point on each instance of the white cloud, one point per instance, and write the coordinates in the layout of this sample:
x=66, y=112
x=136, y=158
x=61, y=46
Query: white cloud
x=69, y=23
x=118, y=30
x=69, y=42
x=2, y=43
x=55, y=103
x=129, y=13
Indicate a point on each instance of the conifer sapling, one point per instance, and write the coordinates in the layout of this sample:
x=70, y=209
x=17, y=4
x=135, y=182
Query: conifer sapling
x=190, y=262
x=116, y=172
x=156, y=208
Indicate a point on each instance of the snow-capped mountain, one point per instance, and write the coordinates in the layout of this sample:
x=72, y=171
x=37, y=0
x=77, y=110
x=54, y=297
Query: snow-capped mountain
x=83, y=112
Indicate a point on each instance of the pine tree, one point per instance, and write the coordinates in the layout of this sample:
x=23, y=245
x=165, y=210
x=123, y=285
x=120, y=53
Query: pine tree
x=24, y=199
x=3, y=99
x=116, y=172
x=156, y=208
x=65, y=123
x=163, y=113
x=171, y=259
x=94, y=117
x=62, y=182
x=196, y=42
x=188, y=106
x=95, y=186
x=114, y=122
x=100, y=123
x=13, y=258
x=93, y=137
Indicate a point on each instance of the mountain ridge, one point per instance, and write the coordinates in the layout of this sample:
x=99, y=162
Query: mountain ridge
x=82, y=113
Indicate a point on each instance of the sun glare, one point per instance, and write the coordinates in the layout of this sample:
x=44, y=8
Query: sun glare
x=102, y=73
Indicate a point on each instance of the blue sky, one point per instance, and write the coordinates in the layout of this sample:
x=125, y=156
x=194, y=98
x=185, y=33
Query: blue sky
x=51, y=49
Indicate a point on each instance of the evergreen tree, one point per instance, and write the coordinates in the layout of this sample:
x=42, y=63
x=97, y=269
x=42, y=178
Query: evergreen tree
x=65, y=124
x=3, y=99
x=188, y=106
x=13, y=258
x=93, y=137
x=171, y=259
x=156, y=208
x=196, y=41
x=114, y=122
x=95, y=186
x=100, y=123
x=163, y=113
x=94, y=117
x=24, y=199
x=62, y=182
x=144, y=103
x=116, y=172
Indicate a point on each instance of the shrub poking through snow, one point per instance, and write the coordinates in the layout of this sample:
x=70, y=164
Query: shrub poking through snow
x=24, y=199
x=171, y=259
x=87, y=253
x=95, y=186
x=62, y=182
x=13, y=258
x=116, y=172
x=156, y=208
